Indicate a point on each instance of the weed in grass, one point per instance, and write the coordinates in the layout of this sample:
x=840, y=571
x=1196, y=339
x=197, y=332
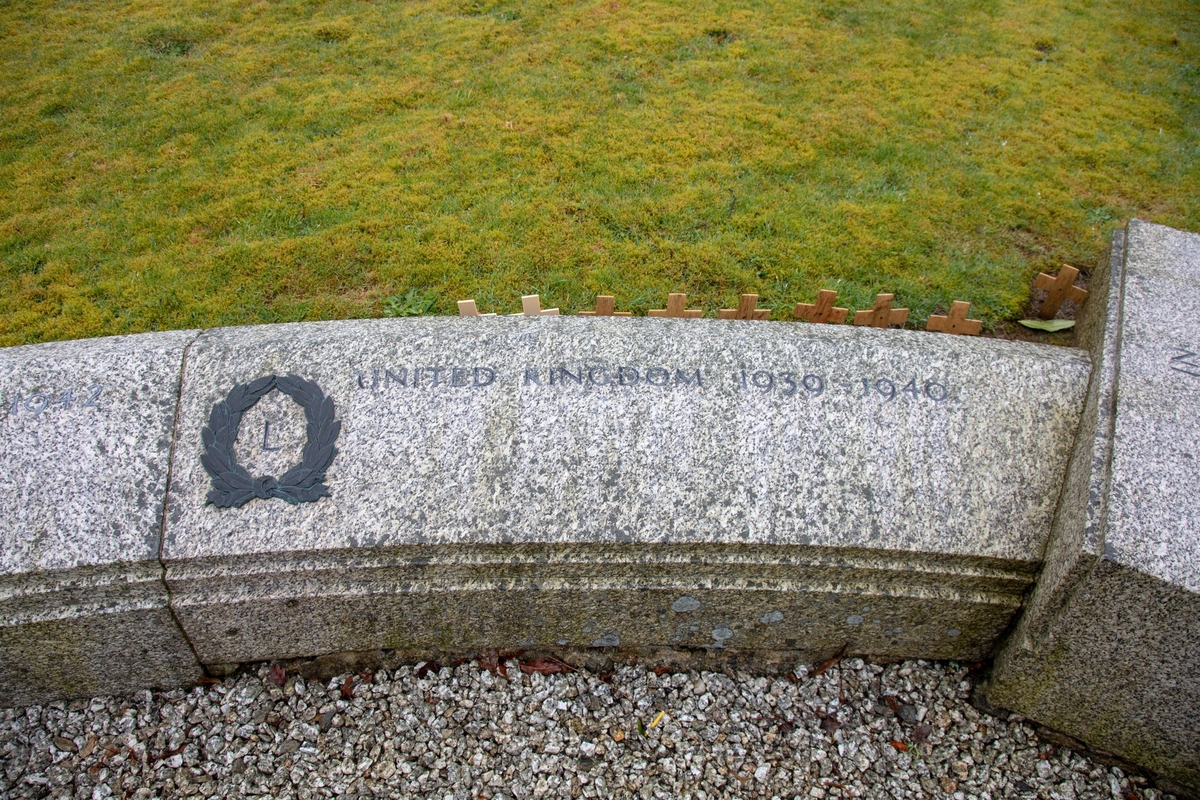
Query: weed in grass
x=166, y=41
x=333, y=32
x=415, y=303
x=1099, y=215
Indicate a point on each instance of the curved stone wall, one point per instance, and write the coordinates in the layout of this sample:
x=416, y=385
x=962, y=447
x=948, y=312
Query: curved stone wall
x=514, y=482
x=187, y=499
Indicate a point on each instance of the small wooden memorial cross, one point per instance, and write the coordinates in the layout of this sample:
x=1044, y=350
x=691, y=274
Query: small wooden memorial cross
x=1059, y=289
x=956, y=321
x=745, y=309
x=823, y=310
x=605, y=305
x=882, y=315
x=676, y=308
x=531, y=306
x=466, y=308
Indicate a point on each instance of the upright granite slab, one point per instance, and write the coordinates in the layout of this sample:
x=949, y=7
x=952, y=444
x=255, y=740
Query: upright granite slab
x=85, y=443
x=511, y=482
x=1109, y=649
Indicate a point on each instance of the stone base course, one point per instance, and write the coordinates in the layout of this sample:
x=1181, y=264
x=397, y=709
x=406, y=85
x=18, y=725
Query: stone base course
x=520, y=597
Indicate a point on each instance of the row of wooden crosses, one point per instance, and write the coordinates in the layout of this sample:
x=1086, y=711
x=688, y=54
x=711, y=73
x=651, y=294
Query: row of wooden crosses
x=881, y=315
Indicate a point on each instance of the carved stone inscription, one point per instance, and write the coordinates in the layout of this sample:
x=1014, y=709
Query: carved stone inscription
x=612, y=376
x=50, y=400
x=1186, y=361
x=425, y=377
x=785, y=383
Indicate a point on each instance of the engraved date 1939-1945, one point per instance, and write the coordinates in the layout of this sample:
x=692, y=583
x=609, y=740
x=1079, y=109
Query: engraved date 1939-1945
x=39, y=402
x=887, y=390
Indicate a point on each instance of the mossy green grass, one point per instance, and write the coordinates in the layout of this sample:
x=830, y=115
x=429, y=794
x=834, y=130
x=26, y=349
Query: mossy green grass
x=168, y=165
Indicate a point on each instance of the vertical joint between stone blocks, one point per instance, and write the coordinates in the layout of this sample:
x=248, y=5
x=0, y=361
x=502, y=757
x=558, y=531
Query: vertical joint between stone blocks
x=162, y=523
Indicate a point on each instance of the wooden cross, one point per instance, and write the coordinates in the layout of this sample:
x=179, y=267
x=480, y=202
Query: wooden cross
x=1059, y=289
x=466, y=308
x=605, y=303
x=531, y=306
x=745, y=309
x=956, y=321
x=823, y=310
x=676, y=308
x=882, y=315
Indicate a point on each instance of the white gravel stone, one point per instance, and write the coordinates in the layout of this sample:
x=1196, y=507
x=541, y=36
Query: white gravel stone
x=465, y=733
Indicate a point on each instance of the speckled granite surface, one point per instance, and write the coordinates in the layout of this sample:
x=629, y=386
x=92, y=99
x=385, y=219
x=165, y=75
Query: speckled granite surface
x=86, y=440
x=1108, y=649
x=954, y=445
x=1154, y=512
x=515, y=481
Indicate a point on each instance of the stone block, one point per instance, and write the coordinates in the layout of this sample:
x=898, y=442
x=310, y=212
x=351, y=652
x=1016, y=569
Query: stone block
x=1109, y=648
x=512, y=482
x=86, y=443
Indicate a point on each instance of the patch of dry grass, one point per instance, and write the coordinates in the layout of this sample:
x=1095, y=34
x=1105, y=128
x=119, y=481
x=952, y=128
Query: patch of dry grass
x=199, y=164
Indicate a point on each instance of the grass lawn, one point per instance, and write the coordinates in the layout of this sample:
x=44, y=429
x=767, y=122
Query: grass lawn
x=177, y=164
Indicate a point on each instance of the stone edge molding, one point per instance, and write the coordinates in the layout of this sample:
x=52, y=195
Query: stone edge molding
x=98, y=627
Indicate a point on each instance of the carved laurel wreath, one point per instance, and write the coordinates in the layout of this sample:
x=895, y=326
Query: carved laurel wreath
x=233, y=486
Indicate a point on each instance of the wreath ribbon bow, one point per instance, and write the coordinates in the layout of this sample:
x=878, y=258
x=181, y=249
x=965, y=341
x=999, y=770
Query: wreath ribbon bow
x=232, y=485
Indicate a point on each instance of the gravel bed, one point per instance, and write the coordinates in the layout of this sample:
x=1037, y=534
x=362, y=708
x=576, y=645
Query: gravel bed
x=856, y=730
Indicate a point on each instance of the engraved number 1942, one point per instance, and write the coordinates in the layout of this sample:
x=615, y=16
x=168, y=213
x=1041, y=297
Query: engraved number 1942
x=38, y=402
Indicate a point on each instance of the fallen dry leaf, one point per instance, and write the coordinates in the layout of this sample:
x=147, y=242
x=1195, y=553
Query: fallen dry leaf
x=830, y=723
x=901, y=746
x=830, y=662
x=921, y=732
x=277, y=675
x=892, y=702
x=65, y=744
x=165, y=754
x=348, y=687
x=425, y=667
x=547, y=665
x=88, y=746
x=493, y=663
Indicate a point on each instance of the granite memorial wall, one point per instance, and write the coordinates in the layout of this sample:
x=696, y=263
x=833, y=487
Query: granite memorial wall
x=1108, y=647
x=209, y=498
